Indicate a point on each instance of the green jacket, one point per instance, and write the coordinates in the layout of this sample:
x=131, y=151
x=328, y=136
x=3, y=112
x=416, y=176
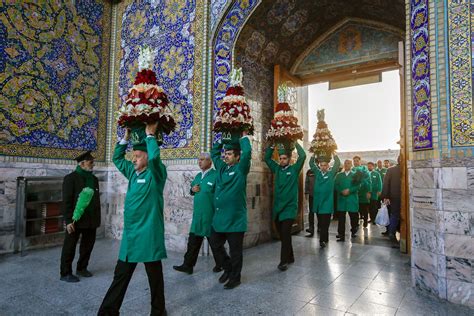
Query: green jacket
x=323, y=190
x=203, y=209
x=366, y=185
x=382, y=172
x=349, y=203
x=285, y=197
x=230, y=198
x=376, y=181
x=143, y=231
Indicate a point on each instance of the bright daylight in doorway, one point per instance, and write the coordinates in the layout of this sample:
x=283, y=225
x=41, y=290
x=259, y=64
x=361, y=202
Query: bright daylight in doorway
x=361, y=118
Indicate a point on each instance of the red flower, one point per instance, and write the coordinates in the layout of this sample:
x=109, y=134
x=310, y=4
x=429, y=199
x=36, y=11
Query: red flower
x=237, y=90
x=145, y=76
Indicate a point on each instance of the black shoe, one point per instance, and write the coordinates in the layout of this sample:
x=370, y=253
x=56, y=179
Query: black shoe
x=70, y=278
x=341, y=239
x=217, y=269
x=365, y=224
x=311, y=231
x=183, y=268
x=231, y=284
x=283, y=266
x=338, y=236
x=385, y=233
x=310, y=235
x=224, y=277
x=322, y=244
x=84, y=273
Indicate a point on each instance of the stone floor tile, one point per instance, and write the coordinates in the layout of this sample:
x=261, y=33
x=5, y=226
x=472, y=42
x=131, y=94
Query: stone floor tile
x=349, y=291
x=382, y=298
x=354, y=280
x=311, y=310
x=367, y=308
x=334, y=301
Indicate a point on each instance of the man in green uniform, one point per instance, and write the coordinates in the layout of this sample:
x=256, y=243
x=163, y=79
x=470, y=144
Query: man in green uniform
x=381, y=169
x=347, y=200
x=230, y=200
x=364, y=190
x=143, y=231
x=285, y=197
x=376, y=181
x=323, y=203
x=202, y=188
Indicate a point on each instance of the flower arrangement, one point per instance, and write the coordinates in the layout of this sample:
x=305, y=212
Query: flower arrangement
x=146, y=101
x=284, y=127
x=323, y=144
x=234, y=113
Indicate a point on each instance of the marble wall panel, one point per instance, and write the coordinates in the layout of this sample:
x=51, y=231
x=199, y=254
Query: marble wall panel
x=424, y=260
x=426, y=281
x=454, y=222
x=470, y=178
x=424, y=218
x=428, y=240
x=425, y=198
x=453, y=178
x=458, y=269
x=459, y=246
x=460, y=292
x=422, y=178
x=458, y=200
x=472, y=223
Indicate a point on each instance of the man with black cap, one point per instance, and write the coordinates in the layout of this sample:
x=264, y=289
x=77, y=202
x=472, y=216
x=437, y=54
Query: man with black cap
x=285, y=197
x=143, y=232
x=230, y=200
x=86, y=226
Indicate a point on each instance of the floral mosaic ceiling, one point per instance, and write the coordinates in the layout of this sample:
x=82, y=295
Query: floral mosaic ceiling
x=53, y=77
x=278, y=31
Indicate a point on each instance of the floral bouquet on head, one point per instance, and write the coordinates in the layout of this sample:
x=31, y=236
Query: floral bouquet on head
x=284, y=128
x=234, y=114
x=323, y=144
x=146, y=101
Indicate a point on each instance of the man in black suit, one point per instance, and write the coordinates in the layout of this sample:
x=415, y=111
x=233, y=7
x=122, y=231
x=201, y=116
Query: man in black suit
x=86, y=226
x=391, y=195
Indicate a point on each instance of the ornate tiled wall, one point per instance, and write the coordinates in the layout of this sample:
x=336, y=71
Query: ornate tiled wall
x=176, y=30
x=460, y=42
x=53, y=77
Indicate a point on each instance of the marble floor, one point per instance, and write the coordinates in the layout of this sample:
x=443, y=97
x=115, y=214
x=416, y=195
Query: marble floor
x=363, y=277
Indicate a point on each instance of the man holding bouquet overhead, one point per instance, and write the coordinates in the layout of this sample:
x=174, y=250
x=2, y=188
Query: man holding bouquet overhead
x=284, y=132
x=230, y=198
x=323, y=146
x=144, y=118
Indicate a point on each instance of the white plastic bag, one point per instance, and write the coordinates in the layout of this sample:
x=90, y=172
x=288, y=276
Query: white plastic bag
x=382, y=218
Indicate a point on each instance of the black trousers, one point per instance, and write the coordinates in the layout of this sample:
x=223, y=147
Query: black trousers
x=284, y=230
x=69, y=249
x=341, y=225
x=232, y=264
x=192, y=253
x=374, y=209
x=122, y=276
x=364, y=211
x=324, y=220
x=311, y=215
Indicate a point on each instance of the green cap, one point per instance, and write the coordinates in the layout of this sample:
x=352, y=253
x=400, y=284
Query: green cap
x=285, y=149
x=232, y=146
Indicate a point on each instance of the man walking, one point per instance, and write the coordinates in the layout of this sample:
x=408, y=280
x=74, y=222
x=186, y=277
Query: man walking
x=285, y=197
x=324, y=195
x=364, y=190
x=230, y=200
x=143, y=233
x=376, y=182
x=347, y=201
x=86, y=226
x=202, y=189
x=391, y=195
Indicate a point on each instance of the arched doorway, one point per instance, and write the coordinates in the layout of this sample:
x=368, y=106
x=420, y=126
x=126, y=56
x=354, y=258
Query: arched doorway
x=305, y=42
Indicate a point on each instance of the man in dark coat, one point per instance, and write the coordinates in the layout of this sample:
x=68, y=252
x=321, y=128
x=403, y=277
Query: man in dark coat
x=391, y=195
x=308, y=191
x=86, y=226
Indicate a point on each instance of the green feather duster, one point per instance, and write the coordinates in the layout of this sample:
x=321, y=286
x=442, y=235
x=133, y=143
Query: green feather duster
x=83, y=201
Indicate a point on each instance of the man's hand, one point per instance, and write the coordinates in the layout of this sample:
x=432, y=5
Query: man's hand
x=386, y=201
x=150, y=128
x=70, y=228
x=127, y=134
x=196, y=188
x=345, y=192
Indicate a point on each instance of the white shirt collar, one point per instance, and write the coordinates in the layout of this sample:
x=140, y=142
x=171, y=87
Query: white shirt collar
x=203, y=173
x=347, y=172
